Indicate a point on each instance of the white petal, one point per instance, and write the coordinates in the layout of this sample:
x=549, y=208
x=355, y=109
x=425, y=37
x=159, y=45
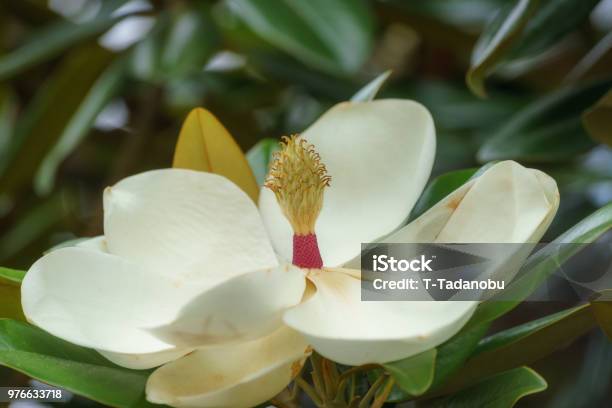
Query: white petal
x=379, y=155
x=347, y=330
x=235, y=376
x=508, y=203
x=245, y=307
x=96, y=243
x=144, y=361
x=101, y=301
x=176, y=220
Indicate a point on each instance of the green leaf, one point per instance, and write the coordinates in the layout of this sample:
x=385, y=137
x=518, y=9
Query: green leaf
x=598, y=120
x=79, y=125
x=495, y=41
x=454, y=352
x=500, y=391
x=10, y=293
x=330, y=35
x=370, y=90
x=260, y=156
x=547, y=332
x=11, y=275
x=45, y=120
x=521, y=32
x=450, y=356
x=39, y=355
x=541, y=264
x=50, y=41
x=189, y=42
x=523, y=344
x=414, y=374
x=547, y=130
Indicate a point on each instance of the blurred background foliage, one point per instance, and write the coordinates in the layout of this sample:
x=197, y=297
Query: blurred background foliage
x=92, y=91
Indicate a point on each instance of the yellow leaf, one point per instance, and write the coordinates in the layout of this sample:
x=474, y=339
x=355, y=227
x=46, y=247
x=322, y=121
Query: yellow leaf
x=10, y=301
x=205, y=145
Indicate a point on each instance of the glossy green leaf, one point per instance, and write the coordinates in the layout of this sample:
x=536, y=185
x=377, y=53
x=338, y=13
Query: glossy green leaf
x=547, y=130
x=415, y=374
x=549, y=329
x=523, y=344
x=523, y=30
x=496, y=40
x=331, y=35
x=260, y=156
x=545, y=261
x=11, y=275
x=189, y=42
x=50, y=41
x=500, y=391
x=454, y=352
x=598, y=120
x=371, y=89
x=450, y=356
x=45, y=120
x=551, y=22
x=39, y=355
x=102, y=91
x=463, y=13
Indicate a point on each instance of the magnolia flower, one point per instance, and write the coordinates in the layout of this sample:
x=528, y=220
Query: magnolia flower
x=229, y=298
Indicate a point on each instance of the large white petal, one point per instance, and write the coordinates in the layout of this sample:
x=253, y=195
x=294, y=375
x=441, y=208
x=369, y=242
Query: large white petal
x=144, y=361
x=345, y=329
x=175, y=220
x=379, y=155
x=99, y=300
x=134, y=361
x=230, y=376
x=508, y=203
x=245, y=307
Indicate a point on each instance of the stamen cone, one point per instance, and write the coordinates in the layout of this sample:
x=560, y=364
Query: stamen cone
x=297, y=177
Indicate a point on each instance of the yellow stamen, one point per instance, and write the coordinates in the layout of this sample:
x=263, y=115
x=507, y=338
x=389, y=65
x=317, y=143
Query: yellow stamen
x=297, y=177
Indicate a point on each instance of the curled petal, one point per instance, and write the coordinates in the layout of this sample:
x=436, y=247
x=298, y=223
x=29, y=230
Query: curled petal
x=508, y=203
x=379, y=155
x=230, y=376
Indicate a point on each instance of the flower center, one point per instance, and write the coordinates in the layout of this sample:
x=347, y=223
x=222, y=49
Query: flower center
x=297, y=177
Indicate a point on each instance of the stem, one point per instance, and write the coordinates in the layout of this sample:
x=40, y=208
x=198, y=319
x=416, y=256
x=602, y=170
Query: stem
x=311, y=392
x=353, y=370
x=372, y=391
x=329, y=378
x=317, y=375
x=380, y=400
